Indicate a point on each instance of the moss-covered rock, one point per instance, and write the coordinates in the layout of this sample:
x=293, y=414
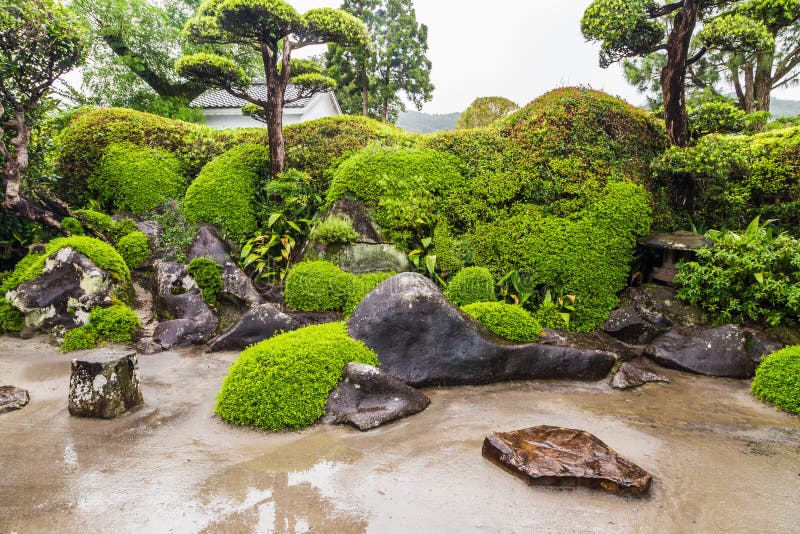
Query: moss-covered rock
x=285, y=381
x=11, y=320
x=471, y=284
x=116, y=324
x=777, y=379
x=510, y=321
x=134, y=249
x=208, y=275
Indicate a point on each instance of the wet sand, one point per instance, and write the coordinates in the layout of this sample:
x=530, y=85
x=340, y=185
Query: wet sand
x=721, y=461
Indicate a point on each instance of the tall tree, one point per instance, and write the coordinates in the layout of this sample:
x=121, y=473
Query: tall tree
x=484, y=111
x=39, y=41
x=273, y=29
x=374, y=82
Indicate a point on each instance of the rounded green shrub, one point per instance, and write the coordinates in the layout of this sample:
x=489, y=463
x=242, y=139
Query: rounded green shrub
x=72, y=225
x=224, y=192
x=136, y=178
x=471, y=284
x=115, y=324
x=317, y=286
x=11, y=320
x=285, y=381
x=334, y=230
x=777, y=379
x=80, y=338
x=99, y=220
x=134, y=249
x=208, y=276
x=122, y=228
x=510, y=321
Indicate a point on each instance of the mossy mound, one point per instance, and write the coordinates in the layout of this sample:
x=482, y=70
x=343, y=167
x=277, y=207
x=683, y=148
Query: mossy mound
x=285, y=381
x=11, y=320
x=134, y=248
x=208, y=276
x=469, y=285
x=317, y=286
x=777, y=379
x=116, y=324
x=510, y=321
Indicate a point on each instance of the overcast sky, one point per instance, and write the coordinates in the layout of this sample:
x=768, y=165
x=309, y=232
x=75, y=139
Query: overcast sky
x=513, y=48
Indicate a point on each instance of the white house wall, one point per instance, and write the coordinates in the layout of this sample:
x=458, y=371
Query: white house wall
x=322, y=106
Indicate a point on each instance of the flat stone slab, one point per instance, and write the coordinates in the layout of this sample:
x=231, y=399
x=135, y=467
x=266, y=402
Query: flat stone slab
x=104, y=384
x=554, y=456
x=13, y=398
x=629, y=375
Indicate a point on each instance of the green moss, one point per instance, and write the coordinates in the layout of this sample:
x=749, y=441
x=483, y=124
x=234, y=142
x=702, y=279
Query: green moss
x=334, y=230
x=362, y=285
x=72, y=225
x=115, y=324
x=317, y=286
x=472, y=284
x=80, y=338
x=285, y=381
x=11, y=320
x=777, y=379
x=224, y=193
x=123, y=228
x=100, y=221
x=136, y=178
x=510, y=321
x=208, y=275
x=134, y=249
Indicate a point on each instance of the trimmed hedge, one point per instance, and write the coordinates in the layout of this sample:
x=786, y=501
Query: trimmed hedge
x=469, y=285
x=317, y=286
x=134, y=248
x=208, y=276
x=285, y=381
x=224, y=192
x=510, y=321
x=777, y=379
x=137, y=178
x=115, y=324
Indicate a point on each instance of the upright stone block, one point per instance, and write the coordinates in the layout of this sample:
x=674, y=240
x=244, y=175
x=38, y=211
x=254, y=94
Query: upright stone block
x=104, y=384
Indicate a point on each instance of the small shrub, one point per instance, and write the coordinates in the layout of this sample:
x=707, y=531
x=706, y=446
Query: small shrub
x=469, y=285
x=136, y=178
x=80, y=338
x=777, y=379
x=176, y=234
x=208, y=275
x=317, y=286
x=115, y=324
x=334, y=230
x=11, y=320
x=124, y=227
x=362, y=285
x=285, y=381
x=510, y=321
x=72, y=225
x=134, y=249
x=100, y=221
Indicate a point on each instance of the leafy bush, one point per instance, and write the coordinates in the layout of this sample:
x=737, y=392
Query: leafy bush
x=361, y=286
x=176, y=235
x=777, y=379
x=285, y=381
x=80, y=338
x=134, y=249
x=723, y=116
x=11, y=320
x=115, y=324
x=72, y=225
x=100, y=221
x=137, y=178
x=208, y=276
x=333, y=231
x=292, y=194
x=317, y=286
x=224, y=192
x=469, y=285
x=123, y=228
x=510, y=321
x=748, y=276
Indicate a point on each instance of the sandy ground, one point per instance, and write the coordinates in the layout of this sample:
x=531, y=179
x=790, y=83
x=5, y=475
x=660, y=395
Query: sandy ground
x=722, y=462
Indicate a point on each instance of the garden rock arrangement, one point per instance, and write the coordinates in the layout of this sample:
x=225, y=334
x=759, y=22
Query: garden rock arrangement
x=104, y=384
x=368, y=397
x=630, y=375
x=424, y=340
x=553, y=456
x=260, y=322
x=13, y=398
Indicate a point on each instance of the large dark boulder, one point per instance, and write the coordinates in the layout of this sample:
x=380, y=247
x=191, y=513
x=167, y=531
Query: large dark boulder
x=13, y=398
x=553, y=456
x=368, y=397
x=424, y=340
x=725, y=351
x=260, y=322
x=633, y=325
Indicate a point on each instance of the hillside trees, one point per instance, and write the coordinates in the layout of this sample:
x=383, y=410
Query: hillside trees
x=373, y=81
x=274, y=30
x=40, y=40
x=484, y=111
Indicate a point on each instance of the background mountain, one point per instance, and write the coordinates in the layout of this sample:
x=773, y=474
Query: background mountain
x=784, y=108
x=415, y=121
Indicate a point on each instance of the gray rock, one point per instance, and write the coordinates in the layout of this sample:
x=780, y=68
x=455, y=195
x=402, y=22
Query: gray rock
x=104, y=384
x=631, y=325
x=13, y=398
x=630, y=375
x=423, y=340
x=360, y=258
x=147, y=345
x=189, y=320
x=368, y=397
x=260, y=322
x=358, y=213
x=63, y=295
x=724, y=351
x=152, y=229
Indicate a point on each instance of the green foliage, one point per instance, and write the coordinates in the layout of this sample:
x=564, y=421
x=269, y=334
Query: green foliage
x=362, y=285
x=176, y=234
x=215, y=70
x=134, y=249
x=723, y=116
x=80, y=338
x=285, y=381
x=470, y=285
x=510, y=321
x=137, y=179
x=738, y=177
x=123, y=228
x=100, y=221
x=317, y=286
x=292, y=194
x=749, y=276
x=208, y=275
x=623, y=27
x=335, y=230
x=11, y=320
x=271, y=254
x=72, y=225
x=777, y=379
x=115, y=324
x=224, y=191
x=484, y=111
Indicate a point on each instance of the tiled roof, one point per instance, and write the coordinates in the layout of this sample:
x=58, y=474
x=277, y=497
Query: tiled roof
x=219, y=98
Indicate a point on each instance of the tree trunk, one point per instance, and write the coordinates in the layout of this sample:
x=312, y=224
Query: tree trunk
x=748, y=88
x=277, y=149
x=762, y=86
x=673, y=75
x=364, y=92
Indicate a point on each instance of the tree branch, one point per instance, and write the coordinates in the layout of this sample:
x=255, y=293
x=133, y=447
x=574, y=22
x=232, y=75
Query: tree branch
x=789, y=61
x=695, y=58
x=657, y=12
